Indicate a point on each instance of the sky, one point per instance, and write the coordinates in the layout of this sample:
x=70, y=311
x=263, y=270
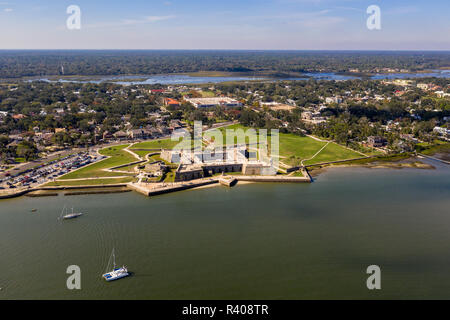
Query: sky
x=226, y=24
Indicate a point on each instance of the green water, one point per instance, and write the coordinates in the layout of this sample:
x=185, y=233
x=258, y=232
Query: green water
x=258, y=241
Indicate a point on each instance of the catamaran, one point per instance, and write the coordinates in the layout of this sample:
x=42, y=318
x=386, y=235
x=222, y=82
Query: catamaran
x=72, y=215
x=117, y=273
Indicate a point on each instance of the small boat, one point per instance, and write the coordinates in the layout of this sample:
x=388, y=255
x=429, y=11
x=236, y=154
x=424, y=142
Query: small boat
x=72, y=215
x=33, y=210
x=116, y=273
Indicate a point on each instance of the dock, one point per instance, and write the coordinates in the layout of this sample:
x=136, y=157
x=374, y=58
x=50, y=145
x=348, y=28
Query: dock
x=227, y=181
x=162, y=188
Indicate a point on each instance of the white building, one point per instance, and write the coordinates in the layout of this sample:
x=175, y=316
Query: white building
x=213, y=102
x=333, y=100
x=442, y=94
x=442, y=131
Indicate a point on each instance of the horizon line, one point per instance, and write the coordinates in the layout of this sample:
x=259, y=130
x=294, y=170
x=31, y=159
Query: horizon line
x=346, y=50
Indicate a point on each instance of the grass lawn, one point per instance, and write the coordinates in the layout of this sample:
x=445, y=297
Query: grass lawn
x=89, y=182
x=170, y=176
x=157, y=157
x=378, y=159
x=117, y=158
x=129, y=169
x=210, y=135
x=207, y=94
x=156, y=144
x=371, y=152
x=294, y=148
x=432, y=148
x=298, y=174
x=334, y=152
x=141, y=153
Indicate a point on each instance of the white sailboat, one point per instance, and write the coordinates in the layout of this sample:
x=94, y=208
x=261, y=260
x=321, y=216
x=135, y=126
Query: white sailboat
x=116, y=273
x=65, y=215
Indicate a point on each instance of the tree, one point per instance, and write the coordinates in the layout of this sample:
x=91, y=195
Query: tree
x=27, y=150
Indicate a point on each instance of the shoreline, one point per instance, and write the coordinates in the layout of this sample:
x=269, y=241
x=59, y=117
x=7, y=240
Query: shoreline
x=262, y=76
x=412, y=162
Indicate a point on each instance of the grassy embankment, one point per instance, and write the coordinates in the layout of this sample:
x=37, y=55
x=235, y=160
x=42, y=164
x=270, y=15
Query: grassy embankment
x=380, y=160
x=154, y=144
x=437, y=146
x=89, y=182
x=157, y=144
x=294, y=148
x=117, y=156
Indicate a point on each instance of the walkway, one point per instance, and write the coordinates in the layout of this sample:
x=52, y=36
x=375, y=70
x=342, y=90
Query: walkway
x=301, y=164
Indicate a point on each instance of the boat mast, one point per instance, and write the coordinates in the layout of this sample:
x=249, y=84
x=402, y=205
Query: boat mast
x=62, y=212
x=114, y=259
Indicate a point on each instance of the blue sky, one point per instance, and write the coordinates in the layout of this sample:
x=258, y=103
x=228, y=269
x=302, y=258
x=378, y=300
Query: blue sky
x=230, y=24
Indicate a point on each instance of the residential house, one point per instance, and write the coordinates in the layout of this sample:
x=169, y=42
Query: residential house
x=376, y=141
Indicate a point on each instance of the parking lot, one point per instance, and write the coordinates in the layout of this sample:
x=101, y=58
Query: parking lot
x=47, y=172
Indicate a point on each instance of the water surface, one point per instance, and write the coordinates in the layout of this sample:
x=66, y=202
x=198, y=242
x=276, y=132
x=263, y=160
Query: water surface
x=256, y=241
x=173, y=79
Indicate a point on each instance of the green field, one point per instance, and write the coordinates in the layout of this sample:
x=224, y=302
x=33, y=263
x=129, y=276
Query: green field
x=117, y=157
x=294, y=148
x=89, y=182
x=207, y=94
x=155, y=144
x=170, y=176
x=210, y=134
x=431, y=148
x=157, y=157
x=141, y=153
x=129, y=169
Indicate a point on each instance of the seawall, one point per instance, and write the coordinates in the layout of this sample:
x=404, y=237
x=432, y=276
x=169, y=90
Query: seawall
x=273, y=179
x=169, y=188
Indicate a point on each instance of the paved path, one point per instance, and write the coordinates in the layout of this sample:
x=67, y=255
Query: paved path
x=131, y=152
x=315, y=153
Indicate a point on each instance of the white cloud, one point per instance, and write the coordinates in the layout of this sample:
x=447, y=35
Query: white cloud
x=313, y=19
x=158, y=18
x=130, y=22
x=403, y=10
x=8, y=9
